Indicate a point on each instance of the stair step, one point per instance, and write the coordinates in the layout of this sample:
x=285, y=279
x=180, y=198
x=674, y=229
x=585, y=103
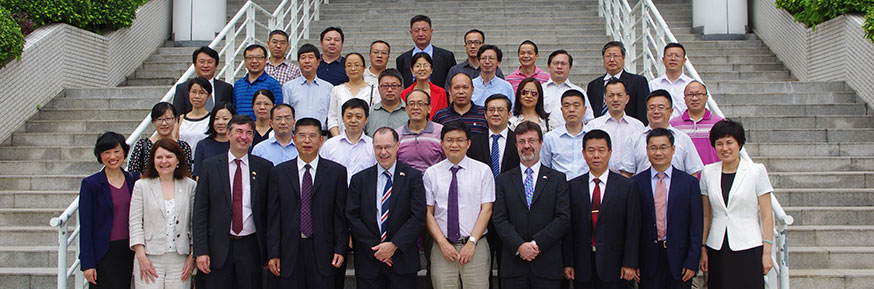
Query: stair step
x=31, y=235
x=34, y=256
x=824, y=179
x=812, y=134
x=42, y=182
x=830, y=235
x=155, y=92
x=18, y=153
x=29, y=216
x=831, y=257
x=831, y=278
x=834, y=197
x=831, y=215
x=94, y=113
x=741, y=110
x=785, y=98
x=775, y=86
x=24, y=277
x=802, y=164
x=801, y=149
x=47, y=167
x=67, y=126
x=36, y=199
x=104, y=102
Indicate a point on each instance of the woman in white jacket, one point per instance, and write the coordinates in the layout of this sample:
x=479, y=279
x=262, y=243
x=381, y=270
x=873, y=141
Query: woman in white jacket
x=160, y=220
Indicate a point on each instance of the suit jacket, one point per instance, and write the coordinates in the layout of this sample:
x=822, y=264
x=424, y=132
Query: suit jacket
x=148, y=220
x=212, y=207
x=684, y=224
x=406, y=219
x=546, y=222
x=739, y=219
x=442, y=60
x=635, y=85
x=480, y=150
x=330, y=233
x=223, y=91
x=95, y=216
x=617, y=234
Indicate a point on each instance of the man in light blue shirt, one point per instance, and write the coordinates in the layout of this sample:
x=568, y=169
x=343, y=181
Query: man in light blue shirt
x=487, y=83
x=308, y=94
x=279, y=148
x=562, y=148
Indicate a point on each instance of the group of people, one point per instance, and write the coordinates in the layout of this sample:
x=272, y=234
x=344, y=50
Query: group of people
x=272, y=181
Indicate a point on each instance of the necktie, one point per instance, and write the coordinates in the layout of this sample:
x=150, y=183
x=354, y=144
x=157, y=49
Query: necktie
x=452, y=229
x=661, y=201
x=306, y=199
x=596, y=207
x=529, y=186
x=604, y=104
x=384, y=204
x=237, y=205
x=496, y=157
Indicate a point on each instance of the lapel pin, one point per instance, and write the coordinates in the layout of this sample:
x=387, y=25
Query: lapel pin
x=402, y=174
x=544, y=177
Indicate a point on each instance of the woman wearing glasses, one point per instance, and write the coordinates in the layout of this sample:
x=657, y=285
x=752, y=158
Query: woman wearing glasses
x=529, y=106
x=164, y=120
x=422, y=69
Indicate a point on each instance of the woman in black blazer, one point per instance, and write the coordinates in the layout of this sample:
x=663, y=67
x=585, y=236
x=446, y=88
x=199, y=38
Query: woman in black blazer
x=104, y=201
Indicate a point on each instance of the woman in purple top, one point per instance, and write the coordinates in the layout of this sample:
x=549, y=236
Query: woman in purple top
x=104, y=202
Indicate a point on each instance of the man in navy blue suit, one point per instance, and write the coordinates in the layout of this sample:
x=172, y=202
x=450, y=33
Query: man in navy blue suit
x=671, y=218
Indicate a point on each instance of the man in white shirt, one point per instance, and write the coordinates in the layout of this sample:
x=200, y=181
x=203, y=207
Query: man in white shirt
x=379, y=52
x=352, y=149
x=674, y=80
x=560, y=63
x=459, y=193
x=658, y=111
x=616, y=122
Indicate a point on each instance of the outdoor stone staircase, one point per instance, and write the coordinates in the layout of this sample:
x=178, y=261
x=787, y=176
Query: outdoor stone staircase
x=815, y=138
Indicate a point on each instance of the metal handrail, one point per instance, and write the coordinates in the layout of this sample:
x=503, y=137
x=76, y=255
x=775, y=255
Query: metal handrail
x=286, y=17
x=622, y=23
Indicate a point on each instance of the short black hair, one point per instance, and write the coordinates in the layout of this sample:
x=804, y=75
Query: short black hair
x=490, y=47
x=421, y=55
x=657, y=132
x=469, y=79
x=394, y=134
x=332, y=28
x=205, y=49
x=210, y=131
x=728, y=127
x=279, y=32
x=536, y=51
x=614, y=80
x=538, y=106
x=698, y=82
x=418, y=18
x=661, y=93
x=613, y=44
x=264, y=92
x=307, y=121
x=573, y=93
x=597, y=134
x=570, y=59
x=383, y=42
x=527, y=126
x=202, y=82
x=275, y=107
x=107, y=141
x=498, y=96
x=161, y=108
x=427, y=95
x=363, y=61
x=240, y=119
x=672, y=45
x=455, y=125
x=355, y=103
x=475, y=31
x=307, y=48
x=253, y=47
x=390, y=72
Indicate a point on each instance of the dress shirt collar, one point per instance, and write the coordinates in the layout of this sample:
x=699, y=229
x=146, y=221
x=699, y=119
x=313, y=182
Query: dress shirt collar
x=261, y=77
x=648, y=128
x=231, y=158
x=316, y=81
x=683, y=78
x=610, y=118
x=314, y=164
x=429, y=128
x=607, y=76
x=393, y=169
x=562, y=130
x=378, y=106
x=273, y=140
x=281, y=64
x=686, y=117
x=654, y=173
x=503, y=133
x=467, y=64
x=362, y=138
x=535, y=168
x=537, y=71
x=603, y=178
x=463, y=164
x=566, y=83
x=340, y=59
x=428, y=50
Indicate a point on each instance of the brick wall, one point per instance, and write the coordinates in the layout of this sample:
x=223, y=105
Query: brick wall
x=61, y=56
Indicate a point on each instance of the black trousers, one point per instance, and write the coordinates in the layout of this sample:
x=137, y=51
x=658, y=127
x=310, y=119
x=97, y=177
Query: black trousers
x=115, y=269
x=529, y=282
x=495, y=245
x=306, y=275
x=596, y=283
x=387, y=279
x=661, y=278
x=242, y=268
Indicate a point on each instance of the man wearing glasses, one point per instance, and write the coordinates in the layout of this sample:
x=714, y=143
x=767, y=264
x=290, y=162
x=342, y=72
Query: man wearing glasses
x=254, y=80
x=390, y=111
x=473, y=40
x=488, y=83
x=697, y=121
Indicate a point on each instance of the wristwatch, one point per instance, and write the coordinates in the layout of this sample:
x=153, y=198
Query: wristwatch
x=472, y=239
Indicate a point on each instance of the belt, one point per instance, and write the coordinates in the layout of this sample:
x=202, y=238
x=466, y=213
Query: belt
x=663, y=244
x=302, y=236
x=234, y=237
x=460, y=241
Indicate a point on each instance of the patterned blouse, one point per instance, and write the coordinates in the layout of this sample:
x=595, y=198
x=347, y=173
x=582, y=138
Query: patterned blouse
x=139, y=159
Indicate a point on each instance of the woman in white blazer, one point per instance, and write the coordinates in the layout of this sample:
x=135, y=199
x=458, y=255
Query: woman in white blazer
x=736, y=194
x=160, y=220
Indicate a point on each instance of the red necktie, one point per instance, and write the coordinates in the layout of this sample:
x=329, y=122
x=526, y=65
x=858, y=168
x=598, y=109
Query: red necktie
x=596, y=207
x=237, y=206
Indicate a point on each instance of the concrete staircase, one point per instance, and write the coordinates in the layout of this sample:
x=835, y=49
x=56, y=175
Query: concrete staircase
x=815, y=138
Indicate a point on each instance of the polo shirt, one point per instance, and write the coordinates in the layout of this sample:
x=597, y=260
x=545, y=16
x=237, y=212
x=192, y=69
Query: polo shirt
x=244, y=91
x=334, y=72
x=466, y=68
x=700, y=133
x=380, y=117
x=420, y=150
x=474, y=117
x=517, y=76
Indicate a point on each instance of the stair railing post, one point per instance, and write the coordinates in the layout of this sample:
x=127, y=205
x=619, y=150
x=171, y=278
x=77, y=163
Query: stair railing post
x=250, y=25
x=306, y=19
x=62, y=256
x=229, y=55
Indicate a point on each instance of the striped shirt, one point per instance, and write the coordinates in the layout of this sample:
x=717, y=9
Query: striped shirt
x=517, y=76
x=244, y=92
x=283, y=72
x=474, y=117
x=420, y=150
x=700, y=133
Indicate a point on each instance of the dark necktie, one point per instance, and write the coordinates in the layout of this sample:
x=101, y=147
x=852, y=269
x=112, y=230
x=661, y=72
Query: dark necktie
x=385, y=204
x=306, y=199
x=496, y=157
x=452, y=229
x=596, y=207
x=237, y=205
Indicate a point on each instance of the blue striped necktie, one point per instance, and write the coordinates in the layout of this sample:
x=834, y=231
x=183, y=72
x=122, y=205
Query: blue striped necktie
x=496, y=158
x=385, y=203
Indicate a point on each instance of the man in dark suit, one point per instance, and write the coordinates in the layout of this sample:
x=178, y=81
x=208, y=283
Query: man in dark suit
x=669, y=255
x=531, y=215
x=386, y=212
x=205, y=60
x=306, y=224
x=230, y=210
x=443, y=60
x=497, y=149
x=601, y=249
x=636, y=86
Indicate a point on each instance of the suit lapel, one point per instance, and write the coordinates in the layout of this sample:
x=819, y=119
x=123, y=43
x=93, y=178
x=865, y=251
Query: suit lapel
x=295, y=182
x=253, y=181
x=320, y=173
x=156, y=195
x=542, y=181
x=368, y=211
x=518, y=185
x=675, y=185
x=611, y=187
x=648, y=193
x=224, y=177
x=509, y=149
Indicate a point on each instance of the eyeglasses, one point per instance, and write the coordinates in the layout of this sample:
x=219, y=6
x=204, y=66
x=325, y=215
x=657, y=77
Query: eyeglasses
x=473, y=42
x=496, y=109
x=697, y=94
x=657, y=108
x=387, y=86
x=282, y=118
x=530, y=92
x=455, y=140
x=422, y=66
x=560, y=63
x=262, y=103
x=523, y=142
x=165, y=120
x=417, y=103
x=250, y=58
x=354, y=65
x=654, y=148
x=613, y=56
x=674, y=55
